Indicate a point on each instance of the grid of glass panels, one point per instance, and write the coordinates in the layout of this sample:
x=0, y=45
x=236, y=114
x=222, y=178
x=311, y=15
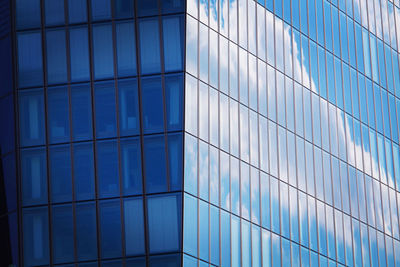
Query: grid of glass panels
x=100, y=107
x=292, y=116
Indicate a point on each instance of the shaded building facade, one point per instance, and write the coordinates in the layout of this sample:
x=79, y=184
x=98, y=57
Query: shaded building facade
x=200, y=133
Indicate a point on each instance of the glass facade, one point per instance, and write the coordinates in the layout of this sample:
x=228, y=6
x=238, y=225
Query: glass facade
x=292, y=112
x=200, y=133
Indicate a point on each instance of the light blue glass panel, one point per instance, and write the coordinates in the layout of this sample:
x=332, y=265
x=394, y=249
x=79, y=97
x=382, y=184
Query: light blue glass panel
x=285, y=252
x=172, y=35
x=83, y=171
x=190, y=225
x=106, y=121
x=235, y=241
x=255, y=195
x=131, y=166
x=103, y=58
x=86, y=234
x=134, y=226
x=284, y=209
x=312, y=223
x=149, y=46
x=128, y=107
x=381, y=249
x=351, y=42
x=191, y=148
x=276, y=250
x=30, y=67
x=245, y=190
x=203, y=230
x=275, y=219
x=107, y=168
x=343, y=37
x=295, y=254
x=265, y=201
x=266, y=247
x=192, y=45
x=294, y=214
x=79, y=53
x=154, y=151
x=305, y=257
x=214, y=235
x=33, y=176
x=246, y=243
x=63, y=234
x=225, y=239
x=126, y=49
x=36, y=236
x=110, y=228
x=214, y=175
x=60, y=173
x=321, y=228
x=164, y=222
x=365, y=245
x=235, y=186
x=255, y=245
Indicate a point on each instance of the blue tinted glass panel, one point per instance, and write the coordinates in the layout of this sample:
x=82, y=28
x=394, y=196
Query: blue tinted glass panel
x=154, y=152
x=86, y=235
x=152, y=105
x=126, y=49
x=27, y=14
x=123, y=9
x=83, y=171
x=190, y=225
x=164, y=217
x=174, y=101
x=173, y=6
x=107, y=168
x=56, y=56
x=31, y=117
x=63, y=234
x=147, y=8
x=103, y=51
x=101, y=9
x=54, y=12
x=77, y=11
x=165, y=261
x=36, y=236
x=81, y=105
x=60, y=174
x=34, y=176
x=172, y=37
x=135, y=262
x=175, y=161
x=30, y=67
x=79, y=53
x=58, y=114
x=149, y=45
x=106, y=122
x=134, y=226
x=203, y=231
x=110, y=229
x=128, y=107
x=131, y=166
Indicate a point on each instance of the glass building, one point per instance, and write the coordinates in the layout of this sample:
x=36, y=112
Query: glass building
x=199, y=133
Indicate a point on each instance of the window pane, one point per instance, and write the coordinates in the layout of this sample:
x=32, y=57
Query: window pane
x=101, y=9
x=54, y=12
x=86, y=235
x=63, y=233
x=152, y=105
x=77, y=11
x=30, y=68
x=149, y=45
x=134, y=226
x=56, y=56
x=31, y=117
x=78, y=42
x=154, y=151
x=107, y=169
x=147, y=8
x=28, y=13
x=164, y=217
x=103, y=51
x=60, y=174
x=58, y=114
x=131, y=166
x=172, y=30
x=34, y=176
x=105, y=109
x=36, y=236
x=128, y=107
x=126, y=49
x=81, y=104
x=165, y=261
x=123, y=9
x=83, y=171
x=175, y=161
x=172, y=6
x=174, y=100
x=110, y=228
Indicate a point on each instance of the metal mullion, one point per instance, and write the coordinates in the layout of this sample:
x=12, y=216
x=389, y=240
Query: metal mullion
x=144, y=198
x=91, y=56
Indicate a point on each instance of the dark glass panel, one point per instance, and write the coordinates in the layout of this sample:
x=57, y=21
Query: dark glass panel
x=174, y=6
x=60, y=173
x=30, y=67
x=101, y=9
x=175, y=161
x=174, y=101
x=7, y=138
x=56, y=56
x=173, y=37
x=147, y=7
x=107, y=168
x=81, y=105
x=79, y=52
x=54, y=12
x=126, y=49
x=63, y=234
x=154, y=151
x=58, y=114
x=83, y=171
x=128, y=107
x=106, y=122
x=149, y=45
x=103, y=58
x=77, y=10
x=27, y=14
x=110, y=229
x=123, y=9
x=86, y=235
x=152, y=105
x=134, y=226
x=131, y=166
x=165, y=261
